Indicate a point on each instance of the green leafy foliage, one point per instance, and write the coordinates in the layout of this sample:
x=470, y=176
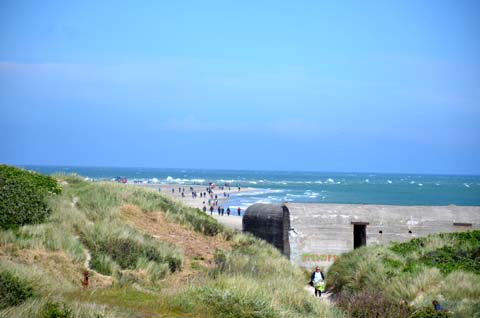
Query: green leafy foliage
x=449, y=258
x=461, y=252
x=23, y=196
x=55, y=310
x=13, y=291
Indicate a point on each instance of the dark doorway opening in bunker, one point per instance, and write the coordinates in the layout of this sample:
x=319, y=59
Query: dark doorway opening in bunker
x=359, y=235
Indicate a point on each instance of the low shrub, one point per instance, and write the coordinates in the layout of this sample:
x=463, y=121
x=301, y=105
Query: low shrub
x=23, y=196
x=449, y=258
x=459, y=251
x=103, y=264
x=55, y=310
x=428, y=312
x=231, y=303
x=13, y=291
x=373, y=305
x=125, y=247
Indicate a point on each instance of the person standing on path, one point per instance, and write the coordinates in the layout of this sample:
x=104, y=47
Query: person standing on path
x=238, y=211
x=317, y=281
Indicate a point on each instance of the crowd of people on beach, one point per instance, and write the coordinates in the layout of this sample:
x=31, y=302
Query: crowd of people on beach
x=214, y=200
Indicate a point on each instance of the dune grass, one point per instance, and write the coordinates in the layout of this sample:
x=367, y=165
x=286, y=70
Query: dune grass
x=444, y=267
x=133, y=269
x=254, y=280
x=135, y=272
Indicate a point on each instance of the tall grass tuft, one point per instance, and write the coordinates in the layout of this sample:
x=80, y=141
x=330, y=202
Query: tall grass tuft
x=254, y=280
x=443, y=267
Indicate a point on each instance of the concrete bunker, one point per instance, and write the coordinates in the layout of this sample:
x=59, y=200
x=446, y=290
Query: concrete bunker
x=270, y=222
x=315, y=234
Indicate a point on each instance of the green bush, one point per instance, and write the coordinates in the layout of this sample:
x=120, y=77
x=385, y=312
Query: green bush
x=23, y=196
x=461, y=251
x=428, y=312
x=126, y=252
x=13, y=291
x=449, y=258
x=55, y=310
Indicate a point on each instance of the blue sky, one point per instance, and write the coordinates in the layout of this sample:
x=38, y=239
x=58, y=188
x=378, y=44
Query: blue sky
x=380, y=86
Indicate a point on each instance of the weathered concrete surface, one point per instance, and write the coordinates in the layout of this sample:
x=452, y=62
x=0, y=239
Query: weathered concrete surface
x=315, y=234
x=320, y=232
x=270, y=222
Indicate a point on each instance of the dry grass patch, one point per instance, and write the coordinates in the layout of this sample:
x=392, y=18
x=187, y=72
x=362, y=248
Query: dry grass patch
x=199, y=249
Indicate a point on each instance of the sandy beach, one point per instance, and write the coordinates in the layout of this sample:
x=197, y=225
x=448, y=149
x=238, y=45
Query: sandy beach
x=233, y=220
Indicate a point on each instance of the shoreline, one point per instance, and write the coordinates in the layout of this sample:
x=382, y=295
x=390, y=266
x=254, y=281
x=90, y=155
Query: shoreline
x=233, y=220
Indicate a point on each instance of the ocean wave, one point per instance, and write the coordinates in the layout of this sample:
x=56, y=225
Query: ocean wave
x=306, y=194
x=170, y=179
x=258, y=192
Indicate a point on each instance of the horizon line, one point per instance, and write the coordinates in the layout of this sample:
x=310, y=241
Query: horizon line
x=236, y=169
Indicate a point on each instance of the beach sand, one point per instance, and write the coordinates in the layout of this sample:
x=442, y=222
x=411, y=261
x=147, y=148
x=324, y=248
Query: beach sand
x=233, y=220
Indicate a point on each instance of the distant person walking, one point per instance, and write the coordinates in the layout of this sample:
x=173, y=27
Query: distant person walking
x=238, y=211
x=228, y=211
x=317, y=281
x=211, y=209
x=437, y=306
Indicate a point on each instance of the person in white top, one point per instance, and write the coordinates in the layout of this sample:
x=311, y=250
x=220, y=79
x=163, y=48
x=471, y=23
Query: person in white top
x=317, y=281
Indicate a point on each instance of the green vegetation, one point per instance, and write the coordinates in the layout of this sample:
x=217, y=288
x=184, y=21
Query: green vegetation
x=23, y=196
x=253, y=280
x=55, y=310
x=13, y=291
x=134, y=273
x=445, y=267
x=460, y=251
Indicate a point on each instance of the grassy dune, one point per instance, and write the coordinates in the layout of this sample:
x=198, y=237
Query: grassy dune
x=151, y=256
x=148, y=256
x=408, y=276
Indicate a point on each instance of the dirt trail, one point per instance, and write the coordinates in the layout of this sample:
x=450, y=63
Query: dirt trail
x=326, y=296
x=198, y=249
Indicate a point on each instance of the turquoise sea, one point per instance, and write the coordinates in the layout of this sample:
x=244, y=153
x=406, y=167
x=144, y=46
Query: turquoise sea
x=303, y=186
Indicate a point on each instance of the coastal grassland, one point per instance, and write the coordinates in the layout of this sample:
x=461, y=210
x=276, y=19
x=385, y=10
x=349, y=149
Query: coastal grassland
x=445, y=267
x=134, y=270
x=254, y=280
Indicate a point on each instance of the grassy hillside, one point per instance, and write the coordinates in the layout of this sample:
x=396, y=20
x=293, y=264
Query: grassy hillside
x=147, y=256
x=150, y=256
x=400, y=279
